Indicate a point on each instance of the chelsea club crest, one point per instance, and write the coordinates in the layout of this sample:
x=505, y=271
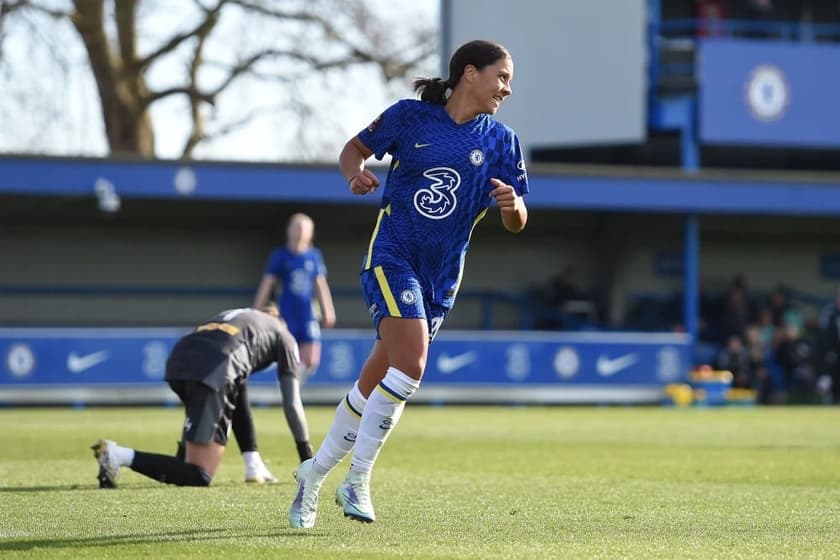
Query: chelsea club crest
x=767, y=93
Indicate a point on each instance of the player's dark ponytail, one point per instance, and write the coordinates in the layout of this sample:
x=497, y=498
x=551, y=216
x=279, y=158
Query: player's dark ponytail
x=476, y=53
x=432, y=90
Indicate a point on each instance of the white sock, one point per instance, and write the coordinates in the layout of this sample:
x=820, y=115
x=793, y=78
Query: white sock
x=125, y=455
x=253, y=461
x=342, y=433
x=382, y=412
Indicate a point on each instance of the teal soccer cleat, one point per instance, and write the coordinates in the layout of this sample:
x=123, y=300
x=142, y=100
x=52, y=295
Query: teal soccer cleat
x=354, y=496
x=305, y=505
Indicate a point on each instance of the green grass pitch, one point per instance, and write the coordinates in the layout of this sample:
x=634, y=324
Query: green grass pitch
x=452, y=482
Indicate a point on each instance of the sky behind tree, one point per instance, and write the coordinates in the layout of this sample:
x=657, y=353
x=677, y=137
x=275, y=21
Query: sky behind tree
x=52, y=108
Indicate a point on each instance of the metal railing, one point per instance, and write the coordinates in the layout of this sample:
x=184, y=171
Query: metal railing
x=677, y=39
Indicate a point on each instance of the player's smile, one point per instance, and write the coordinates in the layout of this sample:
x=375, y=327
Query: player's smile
x=494, y=82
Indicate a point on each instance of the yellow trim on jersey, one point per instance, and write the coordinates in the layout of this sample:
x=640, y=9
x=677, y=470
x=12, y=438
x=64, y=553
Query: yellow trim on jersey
x=469, y=237
x=393, y=309
x=475, y=223
x=382, y=212
x=389, y=395
x=232, y=330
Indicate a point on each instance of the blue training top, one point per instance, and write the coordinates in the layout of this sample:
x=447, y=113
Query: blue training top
x=437, y=188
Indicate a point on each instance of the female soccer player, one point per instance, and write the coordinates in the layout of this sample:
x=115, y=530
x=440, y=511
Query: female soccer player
x=300, y=269
x=451, y=158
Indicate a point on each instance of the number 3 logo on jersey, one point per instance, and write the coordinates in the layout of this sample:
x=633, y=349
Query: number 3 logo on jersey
x=438, y=200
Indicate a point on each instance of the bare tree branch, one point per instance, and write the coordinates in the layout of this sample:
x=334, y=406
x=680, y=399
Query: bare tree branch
x=8, y=6
x=209, y=21
x=197, y=134
x=295, y=45
x=314, y=64
x=187, y=90
x=232, y=126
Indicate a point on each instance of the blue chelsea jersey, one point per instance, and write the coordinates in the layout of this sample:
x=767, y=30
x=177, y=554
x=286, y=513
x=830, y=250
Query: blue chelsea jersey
x=437, y=188
x=297, y=273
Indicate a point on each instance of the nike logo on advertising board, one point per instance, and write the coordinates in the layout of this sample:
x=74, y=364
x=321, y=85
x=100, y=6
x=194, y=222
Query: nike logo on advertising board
x=78, y=364
x=606, y=366
x=449, y=364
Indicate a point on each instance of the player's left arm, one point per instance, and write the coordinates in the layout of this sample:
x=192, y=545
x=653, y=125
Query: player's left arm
x=322, y=291
x=510, y=186
x=512, y=206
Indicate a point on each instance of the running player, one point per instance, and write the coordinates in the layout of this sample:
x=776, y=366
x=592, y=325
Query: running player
x=208, y=370
x=299, y=268
x=451, y=159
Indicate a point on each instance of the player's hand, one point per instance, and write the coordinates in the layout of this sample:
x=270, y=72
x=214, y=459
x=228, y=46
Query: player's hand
x=328, y=321
x=364, y=183
x=504, y=194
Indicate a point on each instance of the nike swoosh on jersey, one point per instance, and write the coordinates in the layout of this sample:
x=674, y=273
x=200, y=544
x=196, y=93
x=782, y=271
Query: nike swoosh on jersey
x=606, y=366
x=78, y=364
x=419, y=145
x=449, y=364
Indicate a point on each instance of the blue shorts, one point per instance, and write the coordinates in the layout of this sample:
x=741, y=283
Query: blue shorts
x=309, y=331
x=390, y=291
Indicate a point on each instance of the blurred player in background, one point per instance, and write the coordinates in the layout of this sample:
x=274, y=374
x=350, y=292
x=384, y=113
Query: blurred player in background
x=299, y=268
x=451, y=159
x=208, y=369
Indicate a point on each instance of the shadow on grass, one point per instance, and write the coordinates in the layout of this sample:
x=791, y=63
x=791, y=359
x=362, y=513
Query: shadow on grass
x=20, y=544
x=111, y=540
x=67, y=488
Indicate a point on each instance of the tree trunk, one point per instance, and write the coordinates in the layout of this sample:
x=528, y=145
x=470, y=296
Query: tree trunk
x=119, y=79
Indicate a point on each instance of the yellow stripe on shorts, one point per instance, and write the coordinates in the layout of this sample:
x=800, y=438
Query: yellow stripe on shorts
x=386, y=292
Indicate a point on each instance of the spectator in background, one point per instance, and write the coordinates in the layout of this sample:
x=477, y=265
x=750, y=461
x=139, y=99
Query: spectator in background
x=766, y=329
x=756, y=14
x=711, y=14
x=778, y=305
x=795, y=356
x=568, y=306
x=829, y=330
x=564, y=287
x=759, y=11
x=734, y=358
x=299, y=268
x=758, y=353
x=736, y=315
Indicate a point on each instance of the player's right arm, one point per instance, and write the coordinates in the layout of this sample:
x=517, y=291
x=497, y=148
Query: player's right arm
x=351, y=162
x=264, y=290
x=378, y=138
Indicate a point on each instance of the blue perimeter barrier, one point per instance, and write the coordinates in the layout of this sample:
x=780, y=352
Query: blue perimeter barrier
x=82, y=366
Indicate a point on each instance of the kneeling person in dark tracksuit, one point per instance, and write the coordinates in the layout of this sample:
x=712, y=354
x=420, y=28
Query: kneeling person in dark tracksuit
x=208, y=369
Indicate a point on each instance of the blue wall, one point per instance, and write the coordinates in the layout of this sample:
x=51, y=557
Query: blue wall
x=89, y=365
x=662, y=192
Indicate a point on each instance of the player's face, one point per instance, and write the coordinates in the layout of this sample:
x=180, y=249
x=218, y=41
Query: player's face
x=300, y=232
x=492, y=84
